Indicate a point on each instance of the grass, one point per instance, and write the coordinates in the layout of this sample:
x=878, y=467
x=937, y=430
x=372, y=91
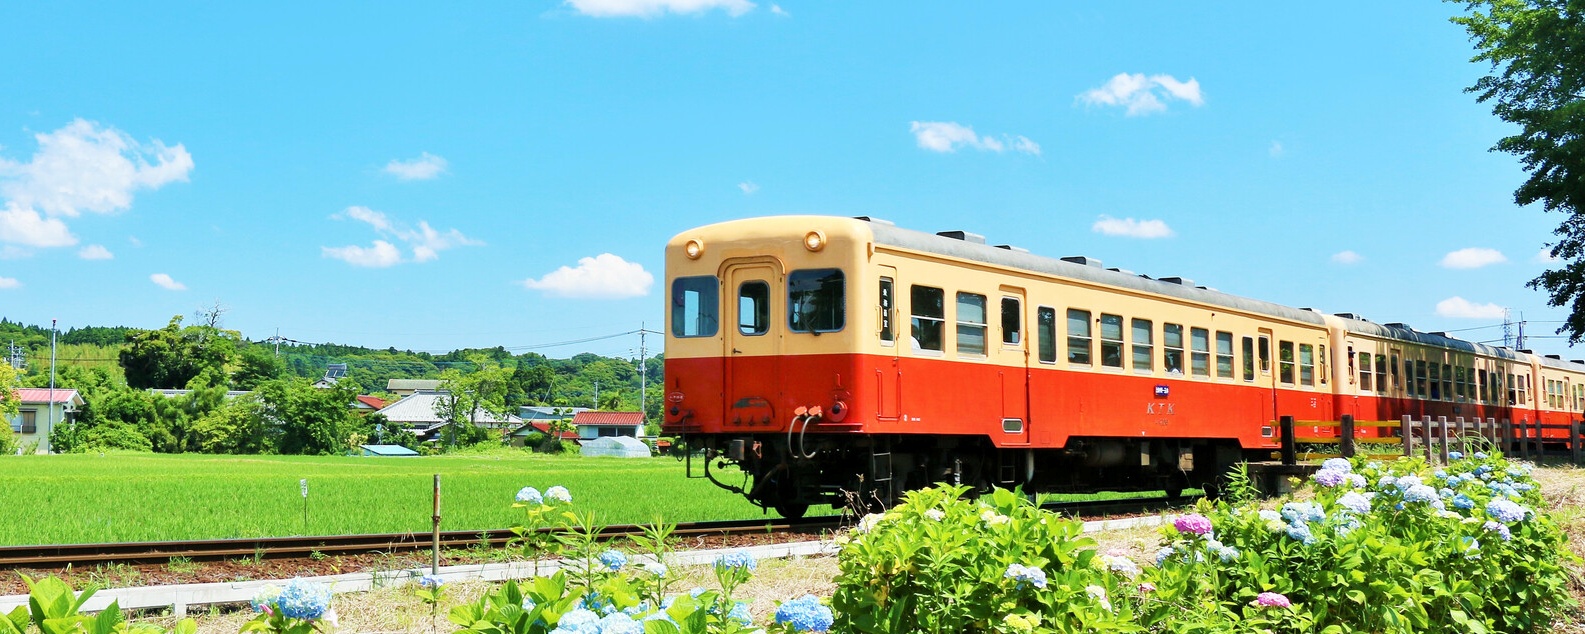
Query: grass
x=122, y=497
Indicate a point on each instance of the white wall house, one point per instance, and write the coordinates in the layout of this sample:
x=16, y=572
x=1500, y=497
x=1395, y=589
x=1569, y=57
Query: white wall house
x=41, y=411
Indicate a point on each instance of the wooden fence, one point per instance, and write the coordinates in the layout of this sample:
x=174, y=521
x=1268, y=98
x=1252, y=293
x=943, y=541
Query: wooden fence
x=1434, y=438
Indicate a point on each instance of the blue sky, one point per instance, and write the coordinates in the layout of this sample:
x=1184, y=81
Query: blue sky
x=389, y=174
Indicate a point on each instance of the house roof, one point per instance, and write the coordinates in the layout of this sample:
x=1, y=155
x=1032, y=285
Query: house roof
x=371, y=402
x=546, y=412
x=41, y=395
x=543, y=427
x=418, y=409
x=608, y=418
x=412, y=384
x=388, y=450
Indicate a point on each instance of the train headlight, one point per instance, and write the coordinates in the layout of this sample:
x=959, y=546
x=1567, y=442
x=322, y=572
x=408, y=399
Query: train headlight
x=815, y=240
x=693, y=249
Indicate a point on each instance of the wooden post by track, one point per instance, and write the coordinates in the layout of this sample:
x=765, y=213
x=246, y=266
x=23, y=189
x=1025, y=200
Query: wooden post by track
x=434, y=555
x=1290, y=452
x=1491, y=423
x=1573, y=442
x=1345, y=441
x=1524, y=441
x=1425, y=435
x=1505, y=444
x=1406, y=431
x=1441, y=425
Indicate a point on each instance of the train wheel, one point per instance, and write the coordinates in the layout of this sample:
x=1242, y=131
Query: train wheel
x=1174, y=492
x=791, y=511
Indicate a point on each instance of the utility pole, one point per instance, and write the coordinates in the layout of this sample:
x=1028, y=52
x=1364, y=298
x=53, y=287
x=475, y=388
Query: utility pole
x=643, y=375
x=597, y=395
x=14, y=356
x=51, y=407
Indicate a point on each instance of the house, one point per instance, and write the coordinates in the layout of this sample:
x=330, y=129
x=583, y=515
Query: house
x=416, y=413
x=536, y=413
x=333, y=373
x=520, y=435
x=364, y=404
x=405, y=387
x=41, y=408
x=592, y=424
x=616, y=447
x=173, y=393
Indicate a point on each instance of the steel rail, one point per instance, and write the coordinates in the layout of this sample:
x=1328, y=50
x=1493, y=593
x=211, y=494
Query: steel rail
x=61, y=555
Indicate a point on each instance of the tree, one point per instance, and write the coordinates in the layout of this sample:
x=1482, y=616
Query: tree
x=1536, y=49
x=10, y=402
x=170, y=357
x=474, y=396
x=256, y=365
x=309, y=420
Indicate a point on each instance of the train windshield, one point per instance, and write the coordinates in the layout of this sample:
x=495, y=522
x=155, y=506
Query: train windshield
x=816, y=301
x=695, y=306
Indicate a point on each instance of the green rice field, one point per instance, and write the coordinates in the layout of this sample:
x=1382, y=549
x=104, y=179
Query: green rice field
x=154, y=497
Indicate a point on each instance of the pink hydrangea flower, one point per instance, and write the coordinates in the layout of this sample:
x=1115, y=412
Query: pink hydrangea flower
x=1272, y=600
x=1193, y=523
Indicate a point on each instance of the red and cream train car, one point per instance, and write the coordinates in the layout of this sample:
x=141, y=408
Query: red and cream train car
x=831, y=357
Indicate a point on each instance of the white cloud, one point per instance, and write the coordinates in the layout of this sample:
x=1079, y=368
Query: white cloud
x=748, y=187
x=380, y=255
x=1472, y=258
x=1131, y=228
x=1141, y=95
x=135, y=241
x=652, y=8
x=604, y=276
x=776, y=9
x=1545, y=255
x=9, y=282
x=425, y=242
x=24, y=226
x=1276, y=150
x=164, y=281
x=425, y=167
x=948, y=136
x=1460, y=308
x=82, y=167
x=95, y=252
x=1347, y=257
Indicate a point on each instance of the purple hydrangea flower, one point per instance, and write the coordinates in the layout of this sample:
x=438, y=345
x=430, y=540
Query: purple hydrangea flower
x=1492, y=526
x=1193, y=523
x=1338, y=464
x=1330, y=477
x=1505, y=511
x=1272, y=600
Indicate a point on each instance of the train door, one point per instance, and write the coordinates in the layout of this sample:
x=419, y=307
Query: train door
x=888, y=390
x=752, y=342
x=1268, y=379
x=1013, y=360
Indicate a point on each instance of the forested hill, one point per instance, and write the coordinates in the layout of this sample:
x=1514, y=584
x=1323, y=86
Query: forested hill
x=536, y=379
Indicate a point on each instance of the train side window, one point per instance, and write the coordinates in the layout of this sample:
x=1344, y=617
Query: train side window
x=1265, y=355
x=1397, y=379
x=1365, y=384
x=1524, y=389
x=1012, y=322
x=1224, y=354
x=1046, y=325
x=695, y=306
x=971, y=324
x=1408, y=377
x=753, y=308
x=1447, y=381
x=1513, y=391
x=1420, y=380
x=1248, y=345
x=1285, y=361
x=1172, y=348
x=1381, y=373
x=816, y=300
x=928, y=306
x=1111, y=340
x=1325, y=367
x=1458, y=382
x=1436, y=383
x=1306, y=364
x=888, y=302
x=1496, y=385
x=1200, y=351
x=1079, y=336
x=1144, y=351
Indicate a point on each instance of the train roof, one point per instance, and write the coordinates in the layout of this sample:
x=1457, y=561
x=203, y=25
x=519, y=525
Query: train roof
x=968, y=249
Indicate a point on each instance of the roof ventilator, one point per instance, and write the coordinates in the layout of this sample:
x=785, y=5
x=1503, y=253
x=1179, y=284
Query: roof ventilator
x=1083, y=260
x=1180, y=281
x=963, y=235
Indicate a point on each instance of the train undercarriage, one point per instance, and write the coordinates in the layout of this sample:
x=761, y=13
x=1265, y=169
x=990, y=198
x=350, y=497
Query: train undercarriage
x=866, y=473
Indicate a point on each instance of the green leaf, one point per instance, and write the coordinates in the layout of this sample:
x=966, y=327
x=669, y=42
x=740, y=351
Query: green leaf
x=108, y=620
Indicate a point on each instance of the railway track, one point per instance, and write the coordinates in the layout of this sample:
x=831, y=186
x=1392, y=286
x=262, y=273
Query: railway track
x=62, y=555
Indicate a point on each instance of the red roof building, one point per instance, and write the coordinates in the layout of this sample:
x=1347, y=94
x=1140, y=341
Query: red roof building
x=592, y=424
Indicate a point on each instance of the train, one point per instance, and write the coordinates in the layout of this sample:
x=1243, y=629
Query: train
x=830, y=360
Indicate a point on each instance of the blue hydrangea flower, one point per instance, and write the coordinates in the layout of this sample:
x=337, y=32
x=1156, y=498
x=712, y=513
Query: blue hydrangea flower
x=804, y=614
x=1505, y=511
x=1338, y=464
x=741, y=614
x=613, y=560
x=529, y=495
x=1470, y=546
x=303, y=599
x=1419, y=493
x=1455, y=455
x=1441, y=474
x=1026, y=575
x=1480, y=455
x=529, y=605
x=1386, y=482
x=1302, y=512
x=655, y=568
x=597, y=603
x=1270, y=515
x=1348, y=525
x=579, y=621
x=1354, y=502
x=1329, y=477
x=558, y=494
x=430, y=581
x=1462, y=501
x=266, y=598
x=735, y=559
x=1492, y=526
x=1357, y=481
x=1406, y=482
x=1301, y=533
x=620, y=623
x=1161, y=555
